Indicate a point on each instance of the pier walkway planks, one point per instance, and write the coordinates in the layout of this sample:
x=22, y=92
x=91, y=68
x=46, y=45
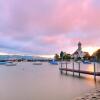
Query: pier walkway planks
x=80, y=71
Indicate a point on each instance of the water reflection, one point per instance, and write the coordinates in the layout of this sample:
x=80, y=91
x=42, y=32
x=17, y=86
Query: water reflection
x=42, y=83
x=87, y=67
x=90, y=68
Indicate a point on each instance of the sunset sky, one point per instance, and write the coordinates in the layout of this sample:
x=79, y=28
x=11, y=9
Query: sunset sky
x=43, y=27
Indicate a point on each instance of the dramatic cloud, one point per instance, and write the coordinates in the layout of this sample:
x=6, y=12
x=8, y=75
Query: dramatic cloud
x=48, y=26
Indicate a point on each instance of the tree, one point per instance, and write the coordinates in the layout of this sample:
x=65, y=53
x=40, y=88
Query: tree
x=61, y=54
x=56, y=57
x=67, y=56
x=87, y=56
x=97, y=55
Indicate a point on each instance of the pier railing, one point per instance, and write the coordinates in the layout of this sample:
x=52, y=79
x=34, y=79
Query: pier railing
x=79, y=71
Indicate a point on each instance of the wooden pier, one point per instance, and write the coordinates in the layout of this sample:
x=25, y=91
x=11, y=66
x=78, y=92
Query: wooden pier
x=79, y=71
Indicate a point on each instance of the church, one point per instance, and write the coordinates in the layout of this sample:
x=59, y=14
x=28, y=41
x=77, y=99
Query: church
x=79, y=53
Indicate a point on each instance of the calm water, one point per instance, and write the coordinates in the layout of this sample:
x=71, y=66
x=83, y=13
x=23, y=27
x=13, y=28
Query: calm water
x=42, y=82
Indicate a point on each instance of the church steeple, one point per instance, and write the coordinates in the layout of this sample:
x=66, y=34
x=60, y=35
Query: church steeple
x=79, y=46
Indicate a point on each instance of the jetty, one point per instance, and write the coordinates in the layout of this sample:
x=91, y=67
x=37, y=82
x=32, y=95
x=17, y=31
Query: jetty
x=79, y=71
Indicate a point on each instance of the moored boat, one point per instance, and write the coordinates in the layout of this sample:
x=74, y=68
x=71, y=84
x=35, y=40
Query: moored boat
x=37, y=63
x=53, y=62
x=86, y=62
x=10, y=63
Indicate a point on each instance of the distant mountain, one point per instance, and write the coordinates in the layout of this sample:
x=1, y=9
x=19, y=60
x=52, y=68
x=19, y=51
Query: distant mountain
x=20, y=57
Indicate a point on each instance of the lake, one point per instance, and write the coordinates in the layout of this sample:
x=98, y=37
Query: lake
x=43, y=82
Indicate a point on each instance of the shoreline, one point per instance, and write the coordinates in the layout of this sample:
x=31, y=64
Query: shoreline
x=93, y=94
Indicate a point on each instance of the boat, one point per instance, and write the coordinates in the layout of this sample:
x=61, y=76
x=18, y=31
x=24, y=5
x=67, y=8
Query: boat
x=2, y=63
x=37, y=63
x=86, y=62
x=78, y=61
x=53, y=62
x=10, y=63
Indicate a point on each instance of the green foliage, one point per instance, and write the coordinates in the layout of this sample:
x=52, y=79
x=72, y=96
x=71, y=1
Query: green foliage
x=64, y=56
x=87, y=56
x=57, y=57
x=61, y=54
x=97, y=55
x=67, y=56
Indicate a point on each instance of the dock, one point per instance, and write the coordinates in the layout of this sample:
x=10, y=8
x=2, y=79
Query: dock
x=79, y=71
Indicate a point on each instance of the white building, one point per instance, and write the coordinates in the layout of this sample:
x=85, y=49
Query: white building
x=78, y=52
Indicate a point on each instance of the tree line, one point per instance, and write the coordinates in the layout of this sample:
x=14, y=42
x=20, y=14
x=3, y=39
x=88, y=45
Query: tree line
x=66, y=56
x=97, y=55
x=62, y=56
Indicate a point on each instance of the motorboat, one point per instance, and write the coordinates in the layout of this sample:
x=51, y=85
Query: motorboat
x=86, y=62
x=53, y=62
x=10, y=63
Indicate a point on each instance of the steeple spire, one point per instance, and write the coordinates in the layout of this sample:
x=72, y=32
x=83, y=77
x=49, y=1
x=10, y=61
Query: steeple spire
x=79, y=46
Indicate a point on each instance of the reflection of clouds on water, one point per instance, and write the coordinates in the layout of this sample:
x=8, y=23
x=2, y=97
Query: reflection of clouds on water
x=90, y=78
x=29, y=82
x=90, y=67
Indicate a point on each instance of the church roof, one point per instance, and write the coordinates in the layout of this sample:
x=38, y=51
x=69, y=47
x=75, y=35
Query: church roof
x=75, y=52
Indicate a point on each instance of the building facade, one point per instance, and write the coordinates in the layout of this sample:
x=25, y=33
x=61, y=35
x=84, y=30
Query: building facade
x=78, y=53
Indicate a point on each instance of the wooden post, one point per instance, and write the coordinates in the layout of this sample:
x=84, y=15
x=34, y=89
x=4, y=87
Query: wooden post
x=73, y=68
x=94, y=72
x=66, y=67
x=79, y=69
x=61, y=63
x=61, y=66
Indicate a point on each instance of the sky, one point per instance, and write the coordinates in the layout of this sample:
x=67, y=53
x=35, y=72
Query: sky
x=46, y=27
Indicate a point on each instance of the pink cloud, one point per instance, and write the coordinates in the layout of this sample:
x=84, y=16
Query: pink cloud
x=54, y=23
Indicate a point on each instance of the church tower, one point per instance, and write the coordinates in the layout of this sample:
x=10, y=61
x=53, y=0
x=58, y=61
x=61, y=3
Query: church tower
x=78, y=52
x=79, y=46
